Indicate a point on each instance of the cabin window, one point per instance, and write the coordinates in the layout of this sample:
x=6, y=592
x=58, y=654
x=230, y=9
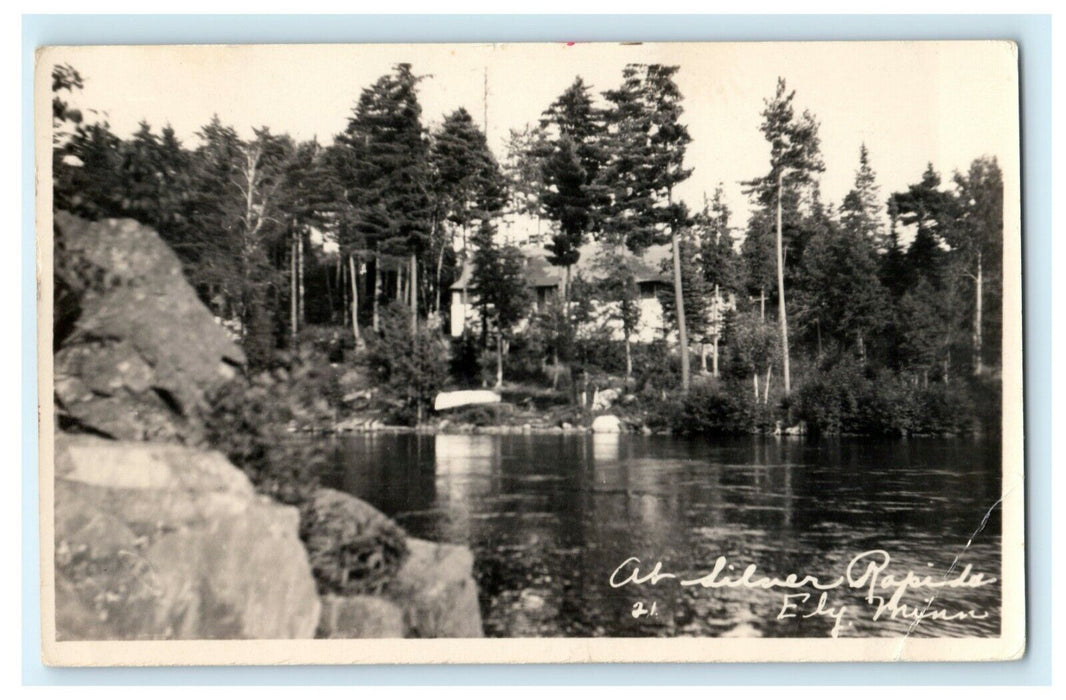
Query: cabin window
x=544, y=296
x=648, y=290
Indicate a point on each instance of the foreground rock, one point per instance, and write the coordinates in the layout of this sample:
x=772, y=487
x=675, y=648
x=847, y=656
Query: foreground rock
x=360, y=617
x=168, y=542
x=436, y=590
x=136, y=350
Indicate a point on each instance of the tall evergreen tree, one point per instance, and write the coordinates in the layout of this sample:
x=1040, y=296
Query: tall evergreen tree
x=502, y=293
x=468, y=185
x=861, y=210
x=795, y=156
x=573, y=195
x=719, y=262
x=388, y=173
x=646, y=151
x=977, y=238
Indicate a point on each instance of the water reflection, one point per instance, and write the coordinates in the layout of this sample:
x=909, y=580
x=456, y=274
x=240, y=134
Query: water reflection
x=550, y=516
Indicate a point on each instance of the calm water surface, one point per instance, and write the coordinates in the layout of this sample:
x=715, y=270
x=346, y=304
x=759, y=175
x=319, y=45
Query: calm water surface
x=550, y=517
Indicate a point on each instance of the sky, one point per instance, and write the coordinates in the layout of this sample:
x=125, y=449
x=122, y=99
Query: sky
x=910, y=102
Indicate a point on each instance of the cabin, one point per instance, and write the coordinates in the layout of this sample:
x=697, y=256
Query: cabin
x=546, y=281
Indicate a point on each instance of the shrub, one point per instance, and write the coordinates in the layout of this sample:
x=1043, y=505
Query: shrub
x=845, y=398
x=943, y=409
x=352, y=548
x=713, y=412
x=707, y=410
x=411, y=372
x=251, y=423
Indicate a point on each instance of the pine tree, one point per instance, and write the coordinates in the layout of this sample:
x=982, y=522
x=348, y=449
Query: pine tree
x=719, y=263
x=502, y=293
x=468, y=185
x=794, y=154
x=387, y=174
x=842, y=293
x=861, y=210
x=645, y=146
x=524, y=171
x=573, y=157
x=977, y=238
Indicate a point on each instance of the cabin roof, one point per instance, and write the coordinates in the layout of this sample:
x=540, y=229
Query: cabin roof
x=540, y=273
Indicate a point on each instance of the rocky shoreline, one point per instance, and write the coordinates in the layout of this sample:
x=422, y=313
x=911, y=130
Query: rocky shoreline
x=157, y=534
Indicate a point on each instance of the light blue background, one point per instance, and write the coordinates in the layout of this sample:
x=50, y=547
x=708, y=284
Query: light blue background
x=1033, y=33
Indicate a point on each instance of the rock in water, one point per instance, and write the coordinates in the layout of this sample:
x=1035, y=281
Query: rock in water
x=606, y=424
x=169, y=542
x=136, y=352
x=436, y=590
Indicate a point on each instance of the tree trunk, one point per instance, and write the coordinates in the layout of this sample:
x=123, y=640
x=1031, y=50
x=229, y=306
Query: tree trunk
x=629, y=362
x=766, y=389
x=499, y=361
x=355, y=302
x=293, y=322
x=714, y=357
x=781, y=290
x=978, y=366
x=679, y=300
x=440, y=273
x=412, y=286
x=762, y=305
x=376, y=317
x=300, y=273
x=755, y=382
x=703, y=357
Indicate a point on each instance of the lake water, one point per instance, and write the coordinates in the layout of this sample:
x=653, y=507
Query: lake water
x=551, y=517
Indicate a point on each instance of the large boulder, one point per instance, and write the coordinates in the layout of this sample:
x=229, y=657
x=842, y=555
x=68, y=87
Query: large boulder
x=360, y=617
x=606, y=424
x=157, y=541
x=136, y=352
x=436, y=590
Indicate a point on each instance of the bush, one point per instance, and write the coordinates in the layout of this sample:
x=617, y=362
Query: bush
x=708, y=410
x=351, y=547
x=251, y=424
x=846, y=399
x=943, y=409
x=412, y=372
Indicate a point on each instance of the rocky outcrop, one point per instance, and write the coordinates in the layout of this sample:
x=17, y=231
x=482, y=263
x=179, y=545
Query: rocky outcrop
x=168, y=542
x=136, y=352
x=158, y=538
x=360, y=617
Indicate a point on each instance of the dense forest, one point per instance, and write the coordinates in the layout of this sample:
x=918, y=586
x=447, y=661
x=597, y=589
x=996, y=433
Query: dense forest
x=880, y=314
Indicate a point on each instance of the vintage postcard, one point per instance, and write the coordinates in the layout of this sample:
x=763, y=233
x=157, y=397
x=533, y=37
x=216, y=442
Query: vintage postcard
x=530, y=353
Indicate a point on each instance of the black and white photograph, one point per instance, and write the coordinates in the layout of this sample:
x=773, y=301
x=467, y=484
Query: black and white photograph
x=516, y=353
